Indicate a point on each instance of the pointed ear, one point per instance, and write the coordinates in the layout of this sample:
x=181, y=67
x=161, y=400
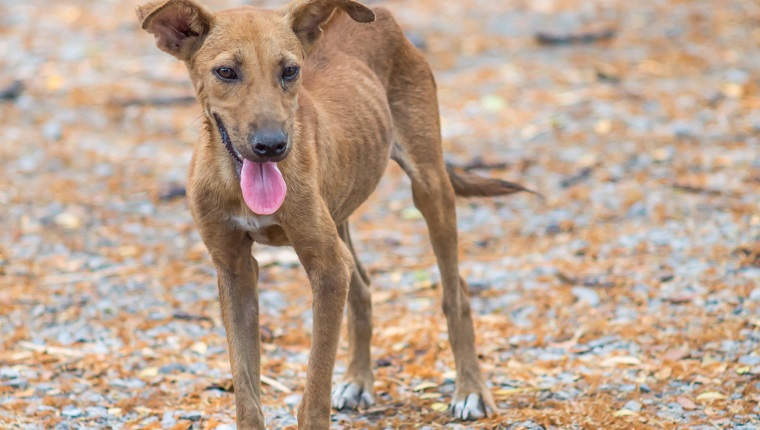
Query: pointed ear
x=178, y=25
x=307, y=16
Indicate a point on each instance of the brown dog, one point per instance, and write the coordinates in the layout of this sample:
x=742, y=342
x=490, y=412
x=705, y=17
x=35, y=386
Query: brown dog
x=303, y=108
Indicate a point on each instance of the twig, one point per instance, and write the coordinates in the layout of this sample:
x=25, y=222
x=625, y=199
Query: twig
x=697, y=190
x=574, y=39
x=588, y=281
x=157, y=101
x=581, y=176
x=190, y=317
x=395, y=381
x=51, y=350
x=173, y=192
x=277, y=385
x=70, y=278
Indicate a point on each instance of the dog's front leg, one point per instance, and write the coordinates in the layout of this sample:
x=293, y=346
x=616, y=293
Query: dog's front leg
x=328, y=263
x=237, y=275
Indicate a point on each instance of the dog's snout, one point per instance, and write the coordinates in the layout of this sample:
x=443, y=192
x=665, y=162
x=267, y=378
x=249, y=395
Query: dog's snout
x=269, y=143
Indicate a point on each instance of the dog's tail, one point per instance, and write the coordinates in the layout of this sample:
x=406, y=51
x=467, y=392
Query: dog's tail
x=467, y=184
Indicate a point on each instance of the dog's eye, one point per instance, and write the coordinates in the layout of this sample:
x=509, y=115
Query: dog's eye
x=226, y=73
x=289, y=73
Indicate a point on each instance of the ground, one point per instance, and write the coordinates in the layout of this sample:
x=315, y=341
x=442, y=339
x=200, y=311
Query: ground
x=628, y=297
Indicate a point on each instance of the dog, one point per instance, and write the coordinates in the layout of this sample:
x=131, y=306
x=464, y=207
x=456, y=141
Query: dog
x=303, y=107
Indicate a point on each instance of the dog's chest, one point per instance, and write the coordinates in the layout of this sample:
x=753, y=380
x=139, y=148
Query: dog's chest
x=262, y=229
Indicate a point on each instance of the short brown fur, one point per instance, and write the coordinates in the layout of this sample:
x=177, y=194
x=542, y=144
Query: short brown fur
x=364, y=95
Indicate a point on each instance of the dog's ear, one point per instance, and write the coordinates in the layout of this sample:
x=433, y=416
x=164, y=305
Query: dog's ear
x=307, y=16
x=178, y=25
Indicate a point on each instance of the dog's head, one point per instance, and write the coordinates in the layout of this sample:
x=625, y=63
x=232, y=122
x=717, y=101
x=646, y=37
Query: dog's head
x=245, y=65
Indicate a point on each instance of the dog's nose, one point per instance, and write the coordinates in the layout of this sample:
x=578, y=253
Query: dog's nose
x=269, y=143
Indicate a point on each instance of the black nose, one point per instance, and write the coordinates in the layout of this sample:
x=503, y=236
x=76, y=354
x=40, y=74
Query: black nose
x=269, y=143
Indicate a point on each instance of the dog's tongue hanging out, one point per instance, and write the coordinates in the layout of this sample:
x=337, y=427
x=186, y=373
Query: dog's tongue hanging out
x=263, y=187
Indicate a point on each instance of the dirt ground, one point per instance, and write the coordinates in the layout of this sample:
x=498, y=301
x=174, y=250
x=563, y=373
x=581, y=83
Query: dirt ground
x=628, y=298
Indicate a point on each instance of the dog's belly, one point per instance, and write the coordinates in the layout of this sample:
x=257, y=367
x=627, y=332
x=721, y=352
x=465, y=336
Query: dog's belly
x=262, y=229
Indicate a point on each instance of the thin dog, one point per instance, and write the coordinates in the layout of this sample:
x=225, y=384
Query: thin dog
x=304, y=106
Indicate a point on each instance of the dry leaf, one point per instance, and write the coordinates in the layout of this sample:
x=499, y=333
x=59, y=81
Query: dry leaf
x=710, y=396
x=614, y=361
x=686, y=403
x=424, y=386
x=439, y=407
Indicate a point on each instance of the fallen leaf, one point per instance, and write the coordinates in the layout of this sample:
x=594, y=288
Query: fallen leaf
x=686, y=403
x=711, y=396
x=614, y=361
x=424, y=386
x=148, y=372
x=439, y=407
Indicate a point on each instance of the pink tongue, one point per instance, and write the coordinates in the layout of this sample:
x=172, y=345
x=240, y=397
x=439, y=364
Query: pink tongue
x=263, y=187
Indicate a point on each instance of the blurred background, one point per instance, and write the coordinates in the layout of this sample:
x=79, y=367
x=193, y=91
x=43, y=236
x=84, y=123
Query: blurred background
x=628, y=298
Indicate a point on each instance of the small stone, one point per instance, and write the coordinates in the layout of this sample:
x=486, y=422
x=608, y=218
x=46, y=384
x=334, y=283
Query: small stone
x=417, y=40
x=627, y=388
x=755, y=295
x=584, y=294
x=632, y=406
x=131, y=383
x=71, y=412
x=750, y=360
x=15, y=383
x=96, y=411
x=168, y=420
x=293, y=399
x=52, y=130
x=9, y=373
x=192, y=416
x=171, y=368
x=68, y=220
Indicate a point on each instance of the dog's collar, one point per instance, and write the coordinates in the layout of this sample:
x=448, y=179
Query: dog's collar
x=226, y=140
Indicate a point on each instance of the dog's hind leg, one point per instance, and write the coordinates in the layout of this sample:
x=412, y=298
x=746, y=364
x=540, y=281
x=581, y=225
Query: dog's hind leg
x=356, y=388
x=418, y=151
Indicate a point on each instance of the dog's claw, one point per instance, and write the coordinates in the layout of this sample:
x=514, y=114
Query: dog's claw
x=471, y=407
x=350, y=395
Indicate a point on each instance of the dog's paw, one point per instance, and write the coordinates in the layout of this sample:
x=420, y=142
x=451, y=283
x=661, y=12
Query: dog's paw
x=469, y=407
x=351, y=395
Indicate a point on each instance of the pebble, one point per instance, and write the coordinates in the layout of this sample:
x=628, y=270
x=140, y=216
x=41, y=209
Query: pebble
x=585, y=294
x=96, y=411
x=15, y=383
x=9, y=373
x=131, y=383
x=168, y=420
x=293, y=399
x=750, y=360
x=633, y=406
x=171, y=368
x=71, y=412
x=52, y=130
x=192, y=416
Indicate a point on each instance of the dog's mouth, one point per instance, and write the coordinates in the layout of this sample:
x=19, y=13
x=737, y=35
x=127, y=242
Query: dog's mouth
x=227, y=142
x=262, y=184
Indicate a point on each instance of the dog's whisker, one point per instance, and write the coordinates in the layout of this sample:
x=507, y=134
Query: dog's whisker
x=191, y=123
